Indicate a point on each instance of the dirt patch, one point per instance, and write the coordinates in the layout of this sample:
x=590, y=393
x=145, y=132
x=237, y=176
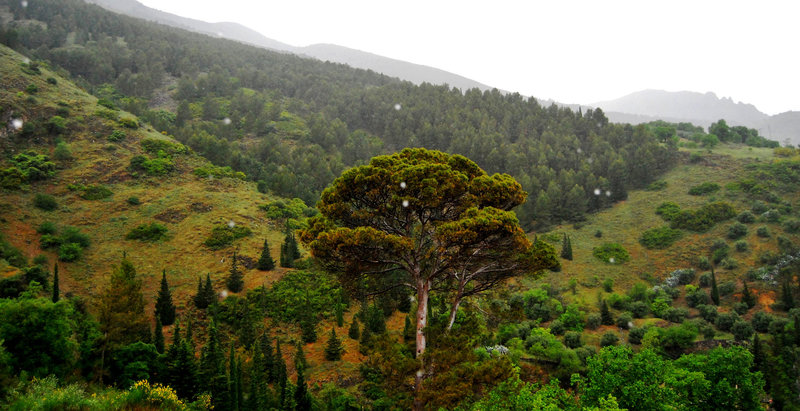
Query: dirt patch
x=171, y=216
x=200, y=207
x=246, y=262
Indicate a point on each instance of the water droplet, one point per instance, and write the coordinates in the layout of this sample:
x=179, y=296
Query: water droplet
x=403, y=184
x=226, y=121
x=580, y=150
x=590, y=160
x=231, y=224
x=24, y=3
x=16, y=123
x=223, y=293
x=405, y=203
x=608, y=193
x=612, y=260
x=597, y=191
x=397, y=106
x=26, y=60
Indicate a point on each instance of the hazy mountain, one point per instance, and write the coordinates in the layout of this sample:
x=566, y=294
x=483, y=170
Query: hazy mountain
x=415, y=73
x=700, y=109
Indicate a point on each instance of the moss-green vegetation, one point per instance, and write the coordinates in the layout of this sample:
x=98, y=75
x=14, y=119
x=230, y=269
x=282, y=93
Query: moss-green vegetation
x=148, y=232
x=661, y=237
x=612, y=253
x=224, y=235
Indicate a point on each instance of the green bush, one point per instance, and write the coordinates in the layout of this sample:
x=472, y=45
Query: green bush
x=668, y=210
x=218, y=172
x=675, y=314
x=62, y=152
x=636, y=334
x=695, y=296
x=702, y=219
x=658, y=238
x=740, y=246
x=45, y=202
x=73, y=235
x=737, y=231
x=572, y=339
x=703, y=263
x=224, y=235
x=727, y=288
x=792, y=226
x=52, y=81
x=95, y=192
x=639, y=309
x=708, y=312
x=705, y=279
x=746, y=217
x=148, y=232
x=56, y=125
x=703, y=189
x=624, y=320
x=609, y=338
x=47, y=227
x=724, y=322
x=128, y=123
x=32, y=88
x=133, y=201
x=156, y=146
x=116, y=136
x=69, y=252
x=657, y=185
x=593, y=321
x=612, y=253
x=742, y=330
x=761, y=321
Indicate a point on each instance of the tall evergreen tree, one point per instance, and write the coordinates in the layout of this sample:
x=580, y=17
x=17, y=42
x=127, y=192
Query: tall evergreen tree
x=181, y=366
x=748, y=297
x=121, y=308
x=268, y=358
x=759, y=356
x=302, y=399
x=165, y=309
x=289, y=250
x=235, y=282
x=55, y=283
x=353, y=332
x=265, y=262
x=300, y=362
x=308, y=327
x=786, y=296
x=233, y=389
x=714, y=290
x=334, y=348
x=409, y=333
x=158, y=339
x=208, y=291
x=566, y=248
x=256, y=399
x=339, y=313
x=212, y=369
x=605, y=314
x=199, y=297
x=279, y=366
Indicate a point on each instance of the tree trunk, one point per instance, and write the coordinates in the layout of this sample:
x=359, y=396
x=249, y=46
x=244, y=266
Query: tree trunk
x=423, y=289
x=453, y=311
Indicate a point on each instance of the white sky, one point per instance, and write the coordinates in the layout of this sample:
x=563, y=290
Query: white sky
x=573, y=51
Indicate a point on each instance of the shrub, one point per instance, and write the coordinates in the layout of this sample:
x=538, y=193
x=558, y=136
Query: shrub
x=702, y=219
x=116, y=136
x=736, y=231
x=639, y=309
x=680, y=276
x=69, y=252
x=618, y=302
x=742, y=330
x=740, y=246
x=703, y=263
x=636, y=334
x=52, y=81
x=148, y=232
x=729, y=263
x=45, y=202
x=661, y=237
x=95, y=192
x=133, y=201
x=761, y=321
x=572, y=339
x=557, y=327
x=668, y=210
x=32, y=88
x=608, y=339
x=705, y=279
x=611, y=253
x=727, y=288
x=771, y=216
x=46, y=227
x=724, y=322
x=708, y=312
x=659, y=307
x=759, y=207
x=625, y=320
x=792, y=226
x=49, y=241
x=156, y=146
x=703, y=189
x=675, y=314
x=657, y=185
x=608, y=284
x=62, y=152
x=741, y=308
x=695, y=296
x=593, y=321
x=746, y=217
x=224, y=235
x=598, y=234
x=128, y=123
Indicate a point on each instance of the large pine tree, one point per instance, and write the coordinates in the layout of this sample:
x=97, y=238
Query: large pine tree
x=181, y=366
x=205, y=293
x=265, y=262
x=121, y=308
x=566, y=248
x=235, y=281
x=334, y=348
x=212, y=369
x=165, y=309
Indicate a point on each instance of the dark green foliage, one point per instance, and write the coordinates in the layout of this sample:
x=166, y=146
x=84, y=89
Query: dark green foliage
x=740, y=308
x=134, y=362
x=593, y=321
x=235, y=280
x=213, y=376
x=308, y=329
x=205, y=295
x=695, y=296
x=566, y=248
x=158, y=336
x=289, y=250
x=705, y=278
x=300, y=362
x=557, y=327
x=742, y=330
x=11, y=254
x=658, y=238
x=158, y=166
x=334, y=348
x=668, y=210
x=300, y=293
x=224, y=235
x=624, y=320
x=702, y=219
x=27, y=167
x=148, y=232
x=714, y=289
x=727, y=288
x=657, y=185
x=725, y=321
x=787, y=299
x=128, y=123
x=133, y=201
x=69, y=252
x=47, y=227
x=116, y=136
x=636, y=334
x=598, y=234
x=95, y=192
x=55, y=295
x=611, y=253
x=45, y=202
x=676, y=314
x=353, y=331
x=708, y=312
x=165, y=309
x=704, y=188
x=748, y=297
x=740, y=246
x=761, y=321
x=609, y=338
x=265, y=262
x=746, y=217
x=62, y=152
x=737, y=231
x=791, y=226
x=639, y=309
x=605, y=314
x=374, y=319
x=608, y=284
x=302, y=398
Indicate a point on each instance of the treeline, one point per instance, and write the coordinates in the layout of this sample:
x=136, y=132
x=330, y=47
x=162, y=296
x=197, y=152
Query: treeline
x=296, y=123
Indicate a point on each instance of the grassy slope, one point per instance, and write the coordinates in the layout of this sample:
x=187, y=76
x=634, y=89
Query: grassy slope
x=189, y=206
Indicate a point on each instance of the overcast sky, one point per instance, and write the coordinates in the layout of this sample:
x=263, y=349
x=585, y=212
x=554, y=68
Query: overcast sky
x=571, y=51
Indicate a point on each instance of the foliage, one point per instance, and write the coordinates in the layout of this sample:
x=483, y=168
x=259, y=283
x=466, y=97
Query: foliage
x=45, y=202
x=218, y=172
x=658, y=238
x=334, y=348
x=736, y=231
x=95, y=192
x=704, y=188
x=283, y=209
x=702, y=219
x=225, y=234
x=148, y=232
x=11, y=254
x=116, y=136
x=265, y=261
x=300, y=292
x=121, y=308
x=165, y=309
x=26, y=167
x=612, y=253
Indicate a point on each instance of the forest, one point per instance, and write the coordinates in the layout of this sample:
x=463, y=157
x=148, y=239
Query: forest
x=193, y=223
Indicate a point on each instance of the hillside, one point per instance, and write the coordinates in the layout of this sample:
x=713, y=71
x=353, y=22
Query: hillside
x=187, y=205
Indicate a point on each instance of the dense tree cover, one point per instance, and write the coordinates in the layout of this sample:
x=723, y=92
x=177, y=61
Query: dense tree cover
x=295, y=124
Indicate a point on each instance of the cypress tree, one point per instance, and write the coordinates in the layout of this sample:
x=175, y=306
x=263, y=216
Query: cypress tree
x=55, y=283
x=566, y=248
x=759, y=356
x=235, y=281
x=268, y=358
x=258, y=379
x=308, y=327
x=339, y=314
x=334, y=348
x=714, y=291
x=786, y=296
x=748, y=297
x=301, y=398
x=605, y=314
x=365, y=343
x=122, y=308
x=300, y=363
x=205, y=294
x=279, y=366
x=199, y=297
x=265, y=262
x=353, y=331
x=189, y=338
x=158, y=340
x=239, y=391
x=212, y=369
x=165, y=309
x=289, y=250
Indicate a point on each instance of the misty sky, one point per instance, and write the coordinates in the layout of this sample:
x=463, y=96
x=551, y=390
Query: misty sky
x=571, y=51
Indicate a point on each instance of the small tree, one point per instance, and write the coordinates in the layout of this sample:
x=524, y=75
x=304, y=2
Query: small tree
x=265, y=262
x=353, y=332
x=158, y=339
x=205, y=293
x=235, y=282
x=714, y=290
x=55, y=283
x=308, y=327
x=334, y=348
x=566, y=248
x=165, y=309
x=786, y=296
x=605, y=314
x=748, y=297
x=300, y=362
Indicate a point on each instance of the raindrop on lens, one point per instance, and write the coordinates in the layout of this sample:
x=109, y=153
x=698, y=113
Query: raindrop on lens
x=223, y=293
x=397, y=106
x=226, y=121
x=612, y=260
x=23, y=3
x=597, y=191
x=403, y=184
x=231, y=224
x=16, y=123
x=579, y=150
x=405, y=203
x=608, y=193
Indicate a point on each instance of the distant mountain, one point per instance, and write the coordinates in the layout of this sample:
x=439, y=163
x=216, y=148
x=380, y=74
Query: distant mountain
x=415, y=73
x=700, y=109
